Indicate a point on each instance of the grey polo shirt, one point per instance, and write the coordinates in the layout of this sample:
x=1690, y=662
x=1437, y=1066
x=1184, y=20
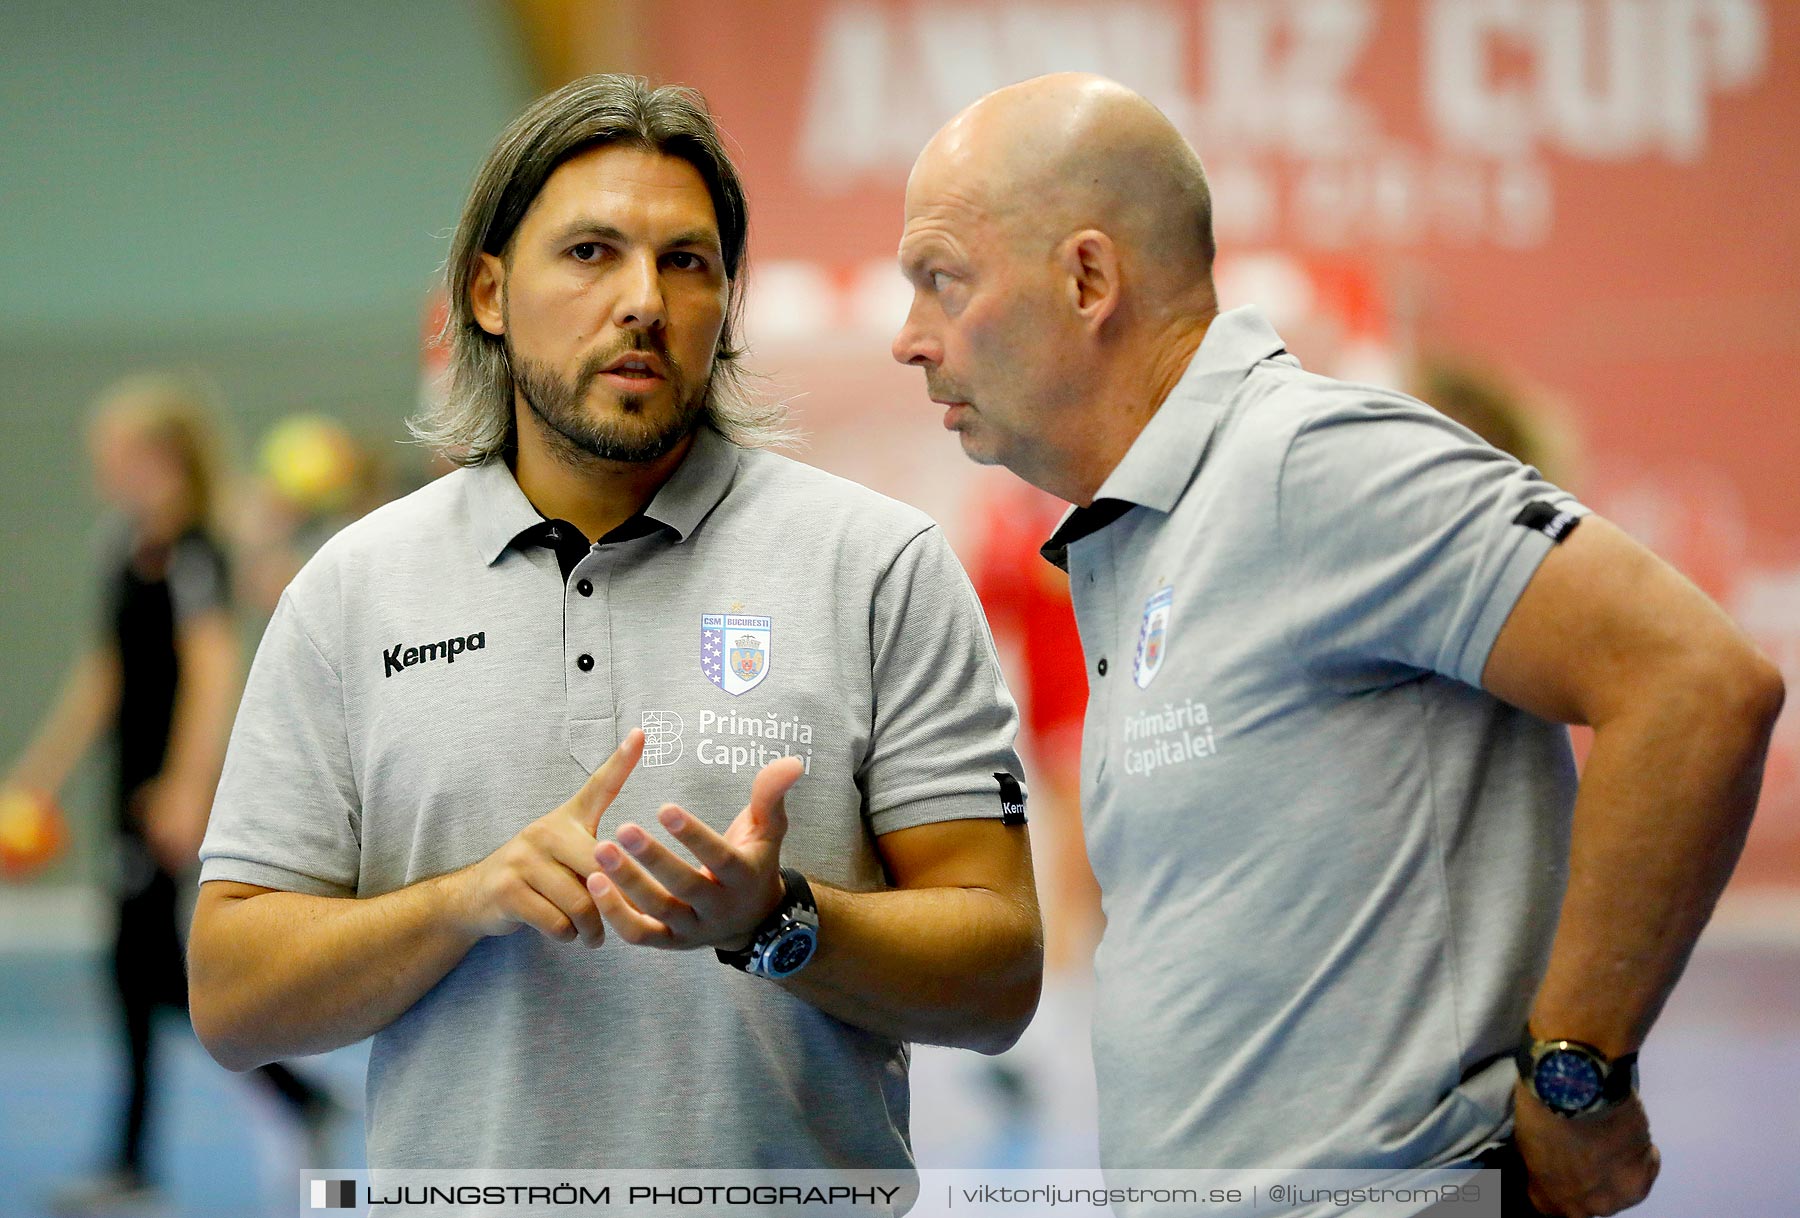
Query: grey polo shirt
x=427, y=687
x=1331, y=864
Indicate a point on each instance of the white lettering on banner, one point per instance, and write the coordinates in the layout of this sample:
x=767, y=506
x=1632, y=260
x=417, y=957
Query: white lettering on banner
x=1503, y=83
x=884, y=80
x=1608, y=79
x=1279, y=75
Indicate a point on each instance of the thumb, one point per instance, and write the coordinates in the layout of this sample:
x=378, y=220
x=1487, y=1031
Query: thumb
x=768, y=793
x=604, y=784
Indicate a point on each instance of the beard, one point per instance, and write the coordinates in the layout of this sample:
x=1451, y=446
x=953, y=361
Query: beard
x=633, y=434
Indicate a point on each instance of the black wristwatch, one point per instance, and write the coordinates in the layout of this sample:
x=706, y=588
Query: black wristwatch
x=787, y=939
x=1573, y=1079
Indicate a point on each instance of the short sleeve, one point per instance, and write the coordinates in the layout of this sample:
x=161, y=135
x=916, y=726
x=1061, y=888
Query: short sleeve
x=944, y=723
x=287, y=814
x=199, y=580
x=1407, y=540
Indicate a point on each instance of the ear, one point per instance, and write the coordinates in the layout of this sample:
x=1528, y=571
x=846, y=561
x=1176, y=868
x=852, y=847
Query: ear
x=1090, y=263
x=487, y=288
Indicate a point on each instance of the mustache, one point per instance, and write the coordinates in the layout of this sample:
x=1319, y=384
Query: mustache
x=943, y=389
x=641, y=340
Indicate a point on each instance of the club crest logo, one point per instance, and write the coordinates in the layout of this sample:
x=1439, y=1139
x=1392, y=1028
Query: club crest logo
x=734, y=650
x=1153, y=636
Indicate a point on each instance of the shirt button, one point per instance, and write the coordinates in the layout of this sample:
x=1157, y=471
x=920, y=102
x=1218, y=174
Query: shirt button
x=585, y=588
x=1102, y=666
x=584, y=662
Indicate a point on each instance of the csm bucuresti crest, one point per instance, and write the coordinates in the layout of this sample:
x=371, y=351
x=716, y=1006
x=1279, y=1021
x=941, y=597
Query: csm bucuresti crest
x=734, y=650
x=1153, y=636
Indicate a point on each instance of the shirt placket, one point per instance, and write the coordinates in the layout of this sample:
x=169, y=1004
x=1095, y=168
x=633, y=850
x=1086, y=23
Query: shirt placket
x=590, y=705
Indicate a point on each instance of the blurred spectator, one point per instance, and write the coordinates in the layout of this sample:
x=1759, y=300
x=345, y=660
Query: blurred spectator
x=313, y=477
x=163, y=675
x=1500, y=409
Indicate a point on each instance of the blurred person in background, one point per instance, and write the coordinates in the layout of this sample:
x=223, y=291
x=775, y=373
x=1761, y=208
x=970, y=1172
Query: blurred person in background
x=1027, y=605
x=1358, y=913
x=162, y=677
x=313, y=476
x=1500, y=408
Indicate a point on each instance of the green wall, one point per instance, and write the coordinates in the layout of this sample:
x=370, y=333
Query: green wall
x=258, y=191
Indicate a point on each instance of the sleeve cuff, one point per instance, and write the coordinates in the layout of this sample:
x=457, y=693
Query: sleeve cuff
x=263, y=875
x=930, y=811
x=1515, y=573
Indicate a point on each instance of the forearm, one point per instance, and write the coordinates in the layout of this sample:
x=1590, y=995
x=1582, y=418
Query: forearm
x=86, y=704
x=951, y=966
x=282, y=974
x=1665, y=802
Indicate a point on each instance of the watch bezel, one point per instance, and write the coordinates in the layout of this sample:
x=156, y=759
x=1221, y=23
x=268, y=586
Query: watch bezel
x=1552, y=1084
x=1544, y=1070
x=766, y=961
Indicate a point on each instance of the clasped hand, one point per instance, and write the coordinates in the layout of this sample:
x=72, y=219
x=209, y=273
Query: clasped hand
x=650, y=895
x=546, y=876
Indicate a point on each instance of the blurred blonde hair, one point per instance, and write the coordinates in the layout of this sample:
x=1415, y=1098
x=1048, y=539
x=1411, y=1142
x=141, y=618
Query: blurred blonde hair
x=179, y=414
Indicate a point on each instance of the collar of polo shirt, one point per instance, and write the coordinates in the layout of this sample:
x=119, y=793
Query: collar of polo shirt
x=1166, y=455
x=500, y=512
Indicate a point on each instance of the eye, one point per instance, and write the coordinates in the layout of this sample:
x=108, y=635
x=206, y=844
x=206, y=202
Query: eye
x=686, y=260
x=587, y=251
x=939, y=280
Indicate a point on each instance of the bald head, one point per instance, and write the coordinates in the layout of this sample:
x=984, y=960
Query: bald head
x=1058, y=239
x=1071, y=151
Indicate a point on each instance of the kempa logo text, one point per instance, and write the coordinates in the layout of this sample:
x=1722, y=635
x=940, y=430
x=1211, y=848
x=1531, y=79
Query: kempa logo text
x=401, y=656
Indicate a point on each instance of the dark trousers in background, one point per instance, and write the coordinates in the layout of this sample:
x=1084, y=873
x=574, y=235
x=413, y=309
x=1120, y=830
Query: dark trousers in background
x=149, y=973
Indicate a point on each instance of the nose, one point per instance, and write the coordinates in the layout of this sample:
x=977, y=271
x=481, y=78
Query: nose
x=913, y=346
x=640, y=304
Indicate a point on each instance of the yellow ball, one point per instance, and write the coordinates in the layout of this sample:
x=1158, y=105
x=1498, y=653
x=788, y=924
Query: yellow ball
x=312, y=462
x=31, y=832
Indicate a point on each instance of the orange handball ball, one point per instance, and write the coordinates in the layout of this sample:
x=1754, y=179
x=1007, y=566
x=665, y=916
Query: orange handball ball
x=32, y=833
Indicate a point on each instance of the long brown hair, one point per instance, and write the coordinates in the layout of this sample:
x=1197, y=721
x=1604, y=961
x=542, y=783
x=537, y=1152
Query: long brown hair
x=474, y=422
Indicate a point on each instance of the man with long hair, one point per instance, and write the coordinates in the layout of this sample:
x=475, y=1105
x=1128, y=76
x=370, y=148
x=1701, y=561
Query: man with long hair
x=434, y=827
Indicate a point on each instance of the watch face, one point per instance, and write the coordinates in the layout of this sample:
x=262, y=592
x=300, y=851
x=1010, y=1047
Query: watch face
x=1566, y=1081
x=791, y=951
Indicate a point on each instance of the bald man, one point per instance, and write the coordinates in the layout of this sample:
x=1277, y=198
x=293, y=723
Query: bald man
x=1358, y=913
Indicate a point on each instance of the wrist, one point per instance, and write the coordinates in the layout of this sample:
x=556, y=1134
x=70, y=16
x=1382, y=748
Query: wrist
x=786, y=940
x=457, y=892
x=1572, y=1078
x=778, y=895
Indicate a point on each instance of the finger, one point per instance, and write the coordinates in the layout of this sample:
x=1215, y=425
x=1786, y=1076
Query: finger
x=569, y=896
x=607, y=780
x=641, y=889
x=768, y=813
x=531, y=908
x=568, y=844
x=681, y=879
x=705, y=843
x=625, y=921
